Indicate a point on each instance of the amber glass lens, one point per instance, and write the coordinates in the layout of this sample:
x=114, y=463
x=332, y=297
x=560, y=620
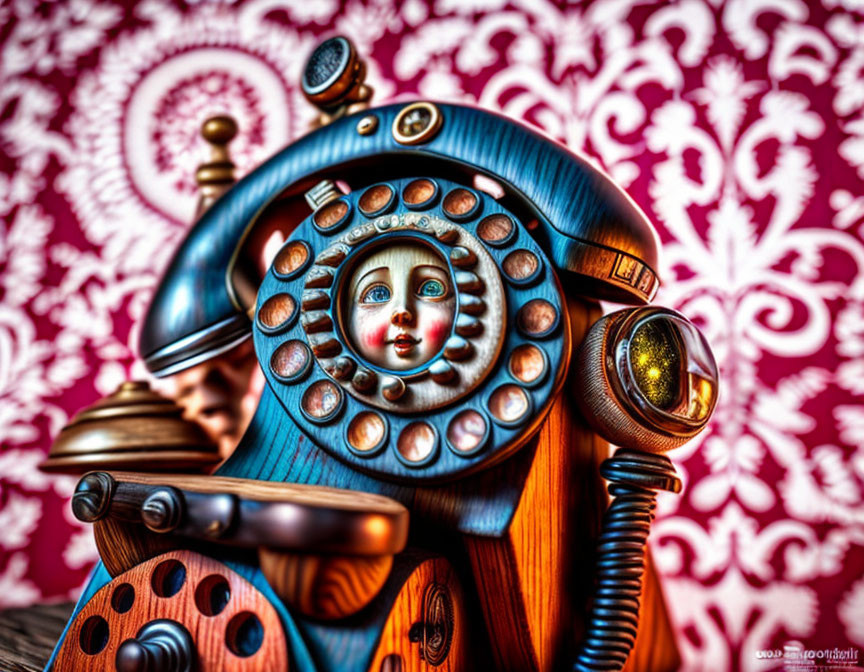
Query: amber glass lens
x=655, y=359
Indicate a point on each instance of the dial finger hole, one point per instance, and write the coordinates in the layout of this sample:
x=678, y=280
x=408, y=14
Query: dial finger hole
x=528, y=364
x=291, y=259
x=376, y=200
x=416, y=444
x=510, y=405
x=322, y=401
x=420, y=194
x=277, y=312
x=94, y=635
x=496, y=229
x=291, y=361
x=521, y=267
x=467, y=432
x=366, y=433
x=330, y=217
x=537, y=318
x=461, y=204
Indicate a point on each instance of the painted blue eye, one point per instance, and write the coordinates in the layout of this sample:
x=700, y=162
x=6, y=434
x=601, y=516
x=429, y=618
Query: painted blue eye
x=432, y=288
x=377, y=294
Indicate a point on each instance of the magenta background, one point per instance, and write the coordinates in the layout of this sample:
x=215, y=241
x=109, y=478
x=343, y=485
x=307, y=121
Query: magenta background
x=765, y=546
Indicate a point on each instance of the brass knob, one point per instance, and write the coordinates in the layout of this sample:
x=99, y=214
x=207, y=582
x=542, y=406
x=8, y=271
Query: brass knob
x=219, y=130
x=216, y=176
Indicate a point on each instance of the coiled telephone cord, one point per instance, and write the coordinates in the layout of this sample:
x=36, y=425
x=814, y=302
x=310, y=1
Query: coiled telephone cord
x=635, y=478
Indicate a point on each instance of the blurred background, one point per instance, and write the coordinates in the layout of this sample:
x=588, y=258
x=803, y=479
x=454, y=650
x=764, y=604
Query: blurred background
x=737, y=126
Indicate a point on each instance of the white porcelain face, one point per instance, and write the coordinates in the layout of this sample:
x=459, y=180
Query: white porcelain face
x=400, y=306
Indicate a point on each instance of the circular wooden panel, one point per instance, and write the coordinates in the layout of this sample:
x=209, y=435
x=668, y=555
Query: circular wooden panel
x=233, y=626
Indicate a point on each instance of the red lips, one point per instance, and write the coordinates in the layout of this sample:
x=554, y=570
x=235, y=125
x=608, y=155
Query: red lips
x=403, y=344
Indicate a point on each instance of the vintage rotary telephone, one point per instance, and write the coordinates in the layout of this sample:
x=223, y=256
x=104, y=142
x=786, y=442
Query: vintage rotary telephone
x=432, y=344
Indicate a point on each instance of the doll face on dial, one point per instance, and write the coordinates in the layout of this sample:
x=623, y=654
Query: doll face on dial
x=400, y=306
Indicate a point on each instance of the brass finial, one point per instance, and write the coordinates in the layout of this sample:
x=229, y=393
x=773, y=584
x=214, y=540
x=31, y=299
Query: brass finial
x=334, y=80
x=215, y=176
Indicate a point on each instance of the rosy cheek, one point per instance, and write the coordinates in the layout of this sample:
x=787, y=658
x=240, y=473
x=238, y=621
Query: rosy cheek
x=373, y=335
x=436, y=332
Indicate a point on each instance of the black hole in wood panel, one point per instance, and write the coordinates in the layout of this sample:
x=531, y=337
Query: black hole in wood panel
x=123, y=598
x=168, y=578
x=94, y=635
x=212, y=595
x=245, y=634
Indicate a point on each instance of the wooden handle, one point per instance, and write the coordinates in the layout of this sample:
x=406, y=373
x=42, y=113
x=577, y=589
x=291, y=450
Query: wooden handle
x=324, y=587
x=246, y=513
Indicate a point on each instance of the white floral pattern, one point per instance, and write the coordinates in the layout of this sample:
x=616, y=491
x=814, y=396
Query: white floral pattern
x=737, y=126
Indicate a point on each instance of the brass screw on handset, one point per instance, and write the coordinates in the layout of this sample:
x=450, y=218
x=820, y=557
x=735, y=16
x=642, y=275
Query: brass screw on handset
x=216, y=176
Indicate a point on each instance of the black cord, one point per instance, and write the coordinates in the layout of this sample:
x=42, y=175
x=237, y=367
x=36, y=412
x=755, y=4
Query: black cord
x=614, y=618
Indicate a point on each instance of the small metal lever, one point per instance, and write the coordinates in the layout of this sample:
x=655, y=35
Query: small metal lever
x=160, y=646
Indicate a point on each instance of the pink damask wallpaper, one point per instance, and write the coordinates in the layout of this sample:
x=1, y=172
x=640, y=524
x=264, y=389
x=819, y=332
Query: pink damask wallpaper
x=737, y=126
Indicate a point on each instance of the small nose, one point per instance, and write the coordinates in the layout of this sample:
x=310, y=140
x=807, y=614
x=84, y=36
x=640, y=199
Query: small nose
x=402, y=317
